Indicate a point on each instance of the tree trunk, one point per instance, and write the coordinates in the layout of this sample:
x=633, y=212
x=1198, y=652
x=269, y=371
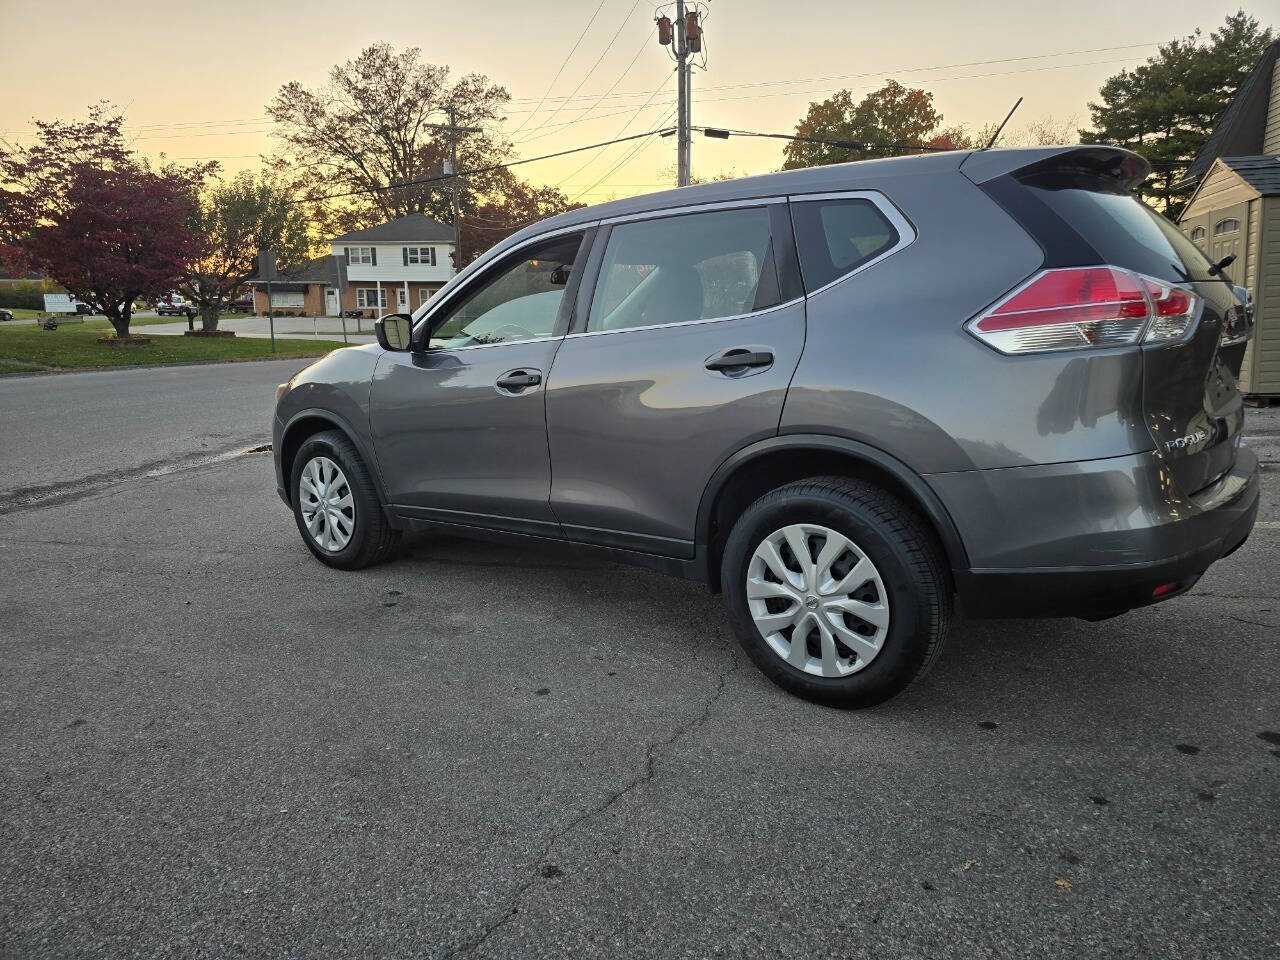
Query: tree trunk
x=209, y=314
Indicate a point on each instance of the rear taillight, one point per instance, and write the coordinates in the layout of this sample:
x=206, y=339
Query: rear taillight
x=1079, y=308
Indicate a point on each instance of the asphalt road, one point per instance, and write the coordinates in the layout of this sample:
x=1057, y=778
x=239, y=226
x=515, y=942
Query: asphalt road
x=210, y=745
x=55, y=429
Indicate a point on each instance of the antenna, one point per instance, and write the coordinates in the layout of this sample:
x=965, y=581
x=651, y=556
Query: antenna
x=995, y=136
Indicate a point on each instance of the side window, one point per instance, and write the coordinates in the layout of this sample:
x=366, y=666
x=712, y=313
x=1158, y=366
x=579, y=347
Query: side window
x=837, y=236
x=519, y=300
x=696, y=266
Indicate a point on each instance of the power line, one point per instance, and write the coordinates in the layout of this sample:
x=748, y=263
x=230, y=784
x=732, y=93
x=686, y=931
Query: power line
x=563, y=64
x=661, y=83
x=608, y=93
x=630, y=156
x=592, y=69
x=424, y=181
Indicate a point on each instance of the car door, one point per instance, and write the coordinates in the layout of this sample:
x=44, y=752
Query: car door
x=459, y=423
x=688, y=328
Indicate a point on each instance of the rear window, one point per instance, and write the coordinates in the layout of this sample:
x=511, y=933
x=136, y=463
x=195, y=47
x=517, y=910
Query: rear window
x=837, y=236
x=1125, y=231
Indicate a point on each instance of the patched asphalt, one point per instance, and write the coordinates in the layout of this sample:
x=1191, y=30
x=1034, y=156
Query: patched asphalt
x=211, y=745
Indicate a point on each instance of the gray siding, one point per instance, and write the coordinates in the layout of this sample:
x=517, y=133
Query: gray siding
x=1265, y=349
x=1271, y=135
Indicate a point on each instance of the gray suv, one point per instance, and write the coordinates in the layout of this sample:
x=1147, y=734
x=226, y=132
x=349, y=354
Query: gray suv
x=850, y=398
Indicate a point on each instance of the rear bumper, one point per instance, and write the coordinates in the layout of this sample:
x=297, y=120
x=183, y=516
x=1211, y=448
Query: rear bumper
x=1106, y=533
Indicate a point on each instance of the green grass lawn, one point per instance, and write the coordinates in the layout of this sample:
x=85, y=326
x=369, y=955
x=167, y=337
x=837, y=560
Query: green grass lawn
x=25, y=348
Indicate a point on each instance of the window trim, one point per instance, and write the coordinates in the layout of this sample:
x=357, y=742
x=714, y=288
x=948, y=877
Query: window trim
x=897, y=219
x=685, y=323
x=1225, y=230
x=461, y=282
x=423, y=326
x=1197, y=234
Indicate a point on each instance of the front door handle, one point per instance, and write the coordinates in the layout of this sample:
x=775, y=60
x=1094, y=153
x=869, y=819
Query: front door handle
x=514, y=380
x=738, y=358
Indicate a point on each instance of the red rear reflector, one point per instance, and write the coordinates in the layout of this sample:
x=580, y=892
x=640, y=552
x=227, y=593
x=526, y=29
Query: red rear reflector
x=1164, y=588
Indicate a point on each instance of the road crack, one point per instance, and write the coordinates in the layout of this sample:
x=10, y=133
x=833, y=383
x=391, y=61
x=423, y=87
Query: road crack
x=644, y=777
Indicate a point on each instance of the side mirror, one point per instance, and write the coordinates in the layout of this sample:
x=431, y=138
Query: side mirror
x=394, y=331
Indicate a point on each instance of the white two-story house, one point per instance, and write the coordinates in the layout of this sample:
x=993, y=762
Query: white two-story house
x=393, y=267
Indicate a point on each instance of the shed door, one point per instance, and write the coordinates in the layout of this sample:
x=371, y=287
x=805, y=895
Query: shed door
x=1226, y=237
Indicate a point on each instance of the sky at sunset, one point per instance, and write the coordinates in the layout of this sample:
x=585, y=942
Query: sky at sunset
x=193, y=79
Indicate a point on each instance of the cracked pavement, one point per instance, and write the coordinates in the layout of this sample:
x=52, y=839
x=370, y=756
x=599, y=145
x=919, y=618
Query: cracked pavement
x=210, y=745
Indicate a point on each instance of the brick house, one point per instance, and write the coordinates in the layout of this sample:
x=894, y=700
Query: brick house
x=393, y=267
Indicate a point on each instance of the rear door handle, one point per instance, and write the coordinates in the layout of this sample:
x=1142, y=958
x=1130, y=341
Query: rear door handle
x=514, y=380
x=739, y=357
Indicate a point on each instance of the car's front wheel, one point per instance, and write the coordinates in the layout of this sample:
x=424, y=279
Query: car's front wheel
x=837, y=591
x=335, y=504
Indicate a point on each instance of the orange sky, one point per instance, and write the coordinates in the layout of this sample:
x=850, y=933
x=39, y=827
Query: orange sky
x=193, y=78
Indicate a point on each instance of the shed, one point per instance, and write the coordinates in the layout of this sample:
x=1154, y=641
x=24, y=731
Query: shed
x=1236, y=210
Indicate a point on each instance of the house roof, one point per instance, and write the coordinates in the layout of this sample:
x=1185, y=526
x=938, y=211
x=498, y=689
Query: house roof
x=414, y=226
x=329, y=270
x=1239, y=130
x=1261, y=173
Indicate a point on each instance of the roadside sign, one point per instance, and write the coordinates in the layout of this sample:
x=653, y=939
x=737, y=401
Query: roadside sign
x=58, y=303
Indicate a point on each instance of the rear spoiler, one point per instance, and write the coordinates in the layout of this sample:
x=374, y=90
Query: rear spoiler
x=1117, y=163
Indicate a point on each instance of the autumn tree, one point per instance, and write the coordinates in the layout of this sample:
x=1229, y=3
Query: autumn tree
x=368, y=146
x=35, y=179
x=119, y=235
x=233, y=219
x=1165, y=109
x=509, y=206
x=889, y=121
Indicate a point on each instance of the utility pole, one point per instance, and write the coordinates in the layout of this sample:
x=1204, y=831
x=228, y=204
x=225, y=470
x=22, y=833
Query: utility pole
x=683, y=82
x=685, y=39
x=452, y=170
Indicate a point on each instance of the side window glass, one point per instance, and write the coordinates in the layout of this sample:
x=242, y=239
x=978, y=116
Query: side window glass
x=520, y=300
x=696, y=266
x=836, y=236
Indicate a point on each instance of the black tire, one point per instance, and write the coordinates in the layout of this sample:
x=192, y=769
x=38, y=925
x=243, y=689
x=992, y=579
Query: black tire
x=905, y=552
x=373, y=538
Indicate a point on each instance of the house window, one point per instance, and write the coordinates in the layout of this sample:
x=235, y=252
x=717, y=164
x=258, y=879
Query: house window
x=420, y=255
x=361, y=255
x=294, y=300
x=424, y=295
x=367, y=298
x=1197, y=235
x=1230, y=225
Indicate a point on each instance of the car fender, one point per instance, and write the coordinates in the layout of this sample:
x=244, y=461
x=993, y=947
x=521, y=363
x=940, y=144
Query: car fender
x=928, y=501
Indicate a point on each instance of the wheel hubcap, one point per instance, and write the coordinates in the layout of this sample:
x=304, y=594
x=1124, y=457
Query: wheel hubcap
x=817, y=600
x=328, y=510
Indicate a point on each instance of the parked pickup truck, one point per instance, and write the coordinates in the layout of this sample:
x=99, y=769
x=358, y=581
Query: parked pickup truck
x=173, y=307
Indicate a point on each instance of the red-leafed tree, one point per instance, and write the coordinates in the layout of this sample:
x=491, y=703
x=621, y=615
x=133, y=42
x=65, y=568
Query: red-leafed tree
x=76, y=204
x=121, y=235
x=34, y=179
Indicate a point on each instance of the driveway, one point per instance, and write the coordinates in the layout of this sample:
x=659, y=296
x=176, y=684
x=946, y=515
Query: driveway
x=212, y=745
x=90, y=427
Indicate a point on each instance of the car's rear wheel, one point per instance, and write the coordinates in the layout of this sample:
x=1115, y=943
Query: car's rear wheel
x=837, y=591
x=335, y=504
